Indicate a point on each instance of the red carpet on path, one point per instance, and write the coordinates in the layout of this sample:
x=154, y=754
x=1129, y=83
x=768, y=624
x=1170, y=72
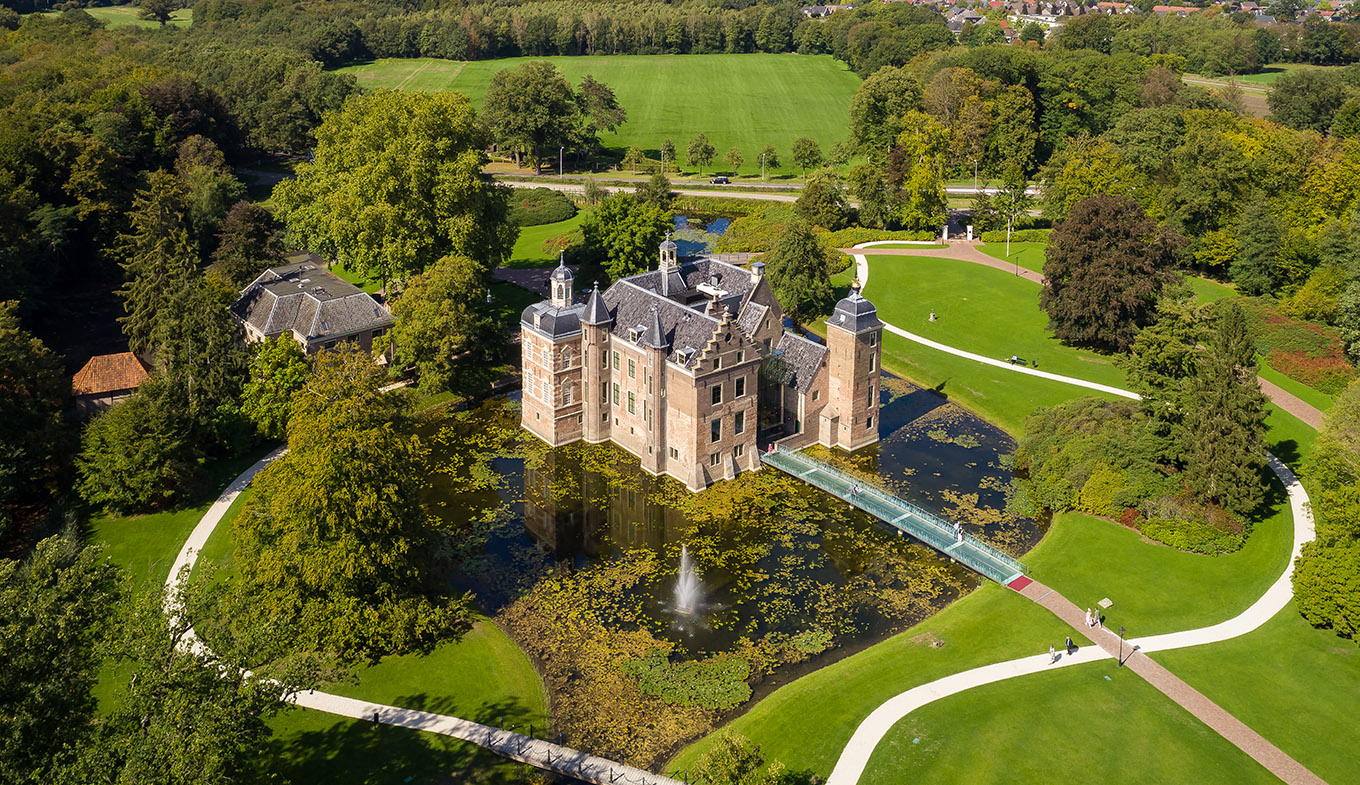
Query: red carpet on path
x=1020, y=583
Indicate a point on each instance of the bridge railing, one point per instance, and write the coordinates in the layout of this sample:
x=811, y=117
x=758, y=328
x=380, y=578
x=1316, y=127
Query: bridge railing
x=892, y=501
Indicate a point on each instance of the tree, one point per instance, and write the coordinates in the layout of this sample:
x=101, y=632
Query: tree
x=157, y=10
x=1255, y=270
x=769, y=157
x=871, y=191
x=623, y=234
x=1032, y=32
x=248, y=242
x=334, y=543
x=807, y=153
x=656, y=190
x=440, y=315
x=1012, y=199
x=599, y=110
x=54, y=609
x=139, y=455
x=397, y=185
x=878, y=108
x=733, y=158
x=700, y=152
x=534, y=106
x=278, y=369
x=203, y=357
x=668, y=154
x=1105, y=268
x=1013, y=136
x=159, y=258
x=35, y=443
x=734, y=760
x=916, y=172
x=799, y=269
x=1307, y=100
x=210, y=188
x=1225, y=422
x=822, y=203
x=1087, y=167
x=635, y=159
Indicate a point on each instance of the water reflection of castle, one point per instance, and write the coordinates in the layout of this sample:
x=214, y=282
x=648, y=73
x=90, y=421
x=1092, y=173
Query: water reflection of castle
x=570, y=510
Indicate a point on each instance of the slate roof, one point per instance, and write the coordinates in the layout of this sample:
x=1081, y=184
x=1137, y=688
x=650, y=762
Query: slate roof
x=802, y=358
x=309, y=301
x=854, y=313
x=552, y=321
x=681, y=327
x=749, y=321
x=106, y=373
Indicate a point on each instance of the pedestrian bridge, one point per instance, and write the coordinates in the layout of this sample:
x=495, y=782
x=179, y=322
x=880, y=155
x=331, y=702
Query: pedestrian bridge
x=925, y=526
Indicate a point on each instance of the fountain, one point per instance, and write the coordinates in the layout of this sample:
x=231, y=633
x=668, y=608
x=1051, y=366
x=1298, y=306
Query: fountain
x=686, y=586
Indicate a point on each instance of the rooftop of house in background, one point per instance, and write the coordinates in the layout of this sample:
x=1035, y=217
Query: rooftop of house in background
x=315, y=305
x=109, y=373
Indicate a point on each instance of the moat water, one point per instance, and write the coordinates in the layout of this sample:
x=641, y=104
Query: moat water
x=772, y=556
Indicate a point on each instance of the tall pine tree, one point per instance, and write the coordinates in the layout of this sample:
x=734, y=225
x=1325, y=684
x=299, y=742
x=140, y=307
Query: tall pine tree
x=159, y=259
x=1225, y=423
x=1258, y=242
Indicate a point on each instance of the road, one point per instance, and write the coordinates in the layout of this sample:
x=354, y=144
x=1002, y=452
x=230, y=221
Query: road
x=573, y=188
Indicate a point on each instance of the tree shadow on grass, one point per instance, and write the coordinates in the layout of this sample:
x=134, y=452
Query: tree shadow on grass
x=314, y=748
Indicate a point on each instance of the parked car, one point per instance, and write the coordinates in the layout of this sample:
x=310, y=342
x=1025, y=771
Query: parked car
x=720, y=180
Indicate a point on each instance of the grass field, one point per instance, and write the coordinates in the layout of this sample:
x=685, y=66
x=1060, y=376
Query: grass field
x=806, y=723
x=1208, y=291
x=1089, y=723
x=529, y=251
x=745, y=101
x=1028, y=255
x=1291, y=683
x=123, y=15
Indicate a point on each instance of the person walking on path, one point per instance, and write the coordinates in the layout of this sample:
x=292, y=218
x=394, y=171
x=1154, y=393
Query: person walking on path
x=1089, y=621
x=1052, y=655
x=1071, y=647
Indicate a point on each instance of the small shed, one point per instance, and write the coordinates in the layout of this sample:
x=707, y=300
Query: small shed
x=105, y=380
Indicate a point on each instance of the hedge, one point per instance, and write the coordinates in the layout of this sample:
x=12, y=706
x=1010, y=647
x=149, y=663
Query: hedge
x=537, y=206
x=855, y=235
x=1192, y=536
x=1021, y=236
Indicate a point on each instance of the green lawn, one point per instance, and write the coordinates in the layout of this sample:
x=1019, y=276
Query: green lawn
x=806, y=723
x=1089, y=723
x=741, y=100
x=123, y=15
x=1030, y=256
x=1269, y=74
x=1207, y=290
x=1315, y=398
x=528, y=250
x=1293, y=684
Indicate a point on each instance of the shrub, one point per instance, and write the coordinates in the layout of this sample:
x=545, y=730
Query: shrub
x=718, y=682
x=1097, y=494
x=854, y=235
x=1192, y=536
x=1326, y=588
x=1019, y=236
x=536, y=206
x=712, y=207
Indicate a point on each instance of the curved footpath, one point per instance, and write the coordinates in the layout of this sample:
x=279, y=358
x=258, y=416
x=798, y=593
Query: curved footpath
x=518, y=747
x=855, y=757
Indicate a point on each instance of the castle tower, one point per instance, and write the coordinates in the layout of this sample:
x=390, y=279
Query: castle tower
x=671, y=281
x=669, y=253
x=654, y=394
x=561, y=281
x=854, y=338
x=551, y=363
x=595, y=324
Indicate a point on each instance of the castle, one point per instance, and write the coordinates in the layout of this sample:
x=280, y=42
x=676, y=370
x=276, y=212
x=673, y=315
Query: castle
x=689, y=368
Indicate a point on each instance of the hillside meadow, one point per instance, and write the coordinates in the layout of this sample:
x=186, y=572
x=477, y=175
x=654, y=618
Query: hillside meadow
x=745, y=100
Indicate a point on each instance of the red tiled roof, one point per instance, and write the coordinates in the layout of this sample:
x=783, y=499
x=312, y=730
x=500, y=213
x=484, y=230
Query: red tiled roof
x=109, y=373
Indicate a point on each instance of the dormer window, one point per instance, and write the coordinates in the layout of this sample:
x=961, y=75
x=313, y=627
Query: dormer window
x=685, y=355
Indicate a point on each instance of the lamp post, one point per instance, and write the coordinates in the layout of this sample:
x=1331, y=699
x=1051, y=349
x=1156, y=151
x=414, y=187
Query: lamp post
x=1121, y=645
x=762, y=167
x=560, y=150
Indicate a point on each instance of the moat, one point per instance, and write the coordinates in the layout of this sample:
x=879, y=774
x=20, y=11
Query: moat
x=776, y=559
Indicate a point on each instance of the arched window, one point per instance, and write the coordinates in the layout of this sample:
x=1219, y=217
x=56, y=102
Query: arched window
x=566, y=358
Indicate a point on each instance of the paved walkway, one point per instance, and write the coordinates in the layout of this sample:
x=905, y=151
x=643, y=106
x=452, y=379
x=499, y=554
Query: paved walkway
x=535, y=752
x=850, y=766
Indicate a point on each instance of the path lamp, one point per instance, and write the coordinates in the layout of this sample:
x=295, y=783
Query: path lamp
x=1121, y=645
x=560, y=150
x=762, y=167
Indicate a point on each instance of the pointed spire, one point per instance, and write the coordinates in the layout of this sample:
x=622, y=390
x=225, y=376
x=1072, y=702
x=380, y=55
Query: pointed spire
x=655, y=336
x=596, y=311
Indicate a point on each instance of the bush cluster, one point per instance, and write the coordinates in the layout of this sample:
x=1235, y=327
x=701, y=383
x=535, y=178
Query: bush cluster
x=1020, y=236
x=537, y=206
x=1192, y=536
x=1307, y=352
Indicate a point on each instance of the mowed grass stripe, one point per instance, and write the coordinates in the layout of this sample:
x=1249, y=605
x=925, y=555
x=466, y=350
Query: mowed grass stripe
x=743, y=101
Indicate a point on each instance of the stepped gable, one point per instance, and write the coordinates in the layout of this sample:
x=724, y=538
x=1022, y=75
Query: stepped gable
x=681, y=327
x=802, y=358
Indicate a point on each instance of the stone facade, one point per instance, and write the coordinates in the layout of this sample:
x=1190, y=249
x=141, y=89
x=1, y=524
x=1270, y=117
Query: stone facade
x=688, y=368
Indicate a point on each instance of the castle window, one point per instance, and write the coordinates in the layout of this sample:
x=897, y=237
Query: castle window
x=547, y=359
x=739, y=424
x=740, y=387
x=632, y=368
x=869, y=423
x=715, y=430
x=872, y=396
x=736, y=451
x=716, y=391
x=616, y=361
x=675, y=454
x=717, y=363
x=715, y=459
x=567, y=358
x=873, y=360
x=616, y=393
x=567, y=392
x=631, y=401
x=740, y=354
x=604, y=357
x=873, y=340
x=816, y=394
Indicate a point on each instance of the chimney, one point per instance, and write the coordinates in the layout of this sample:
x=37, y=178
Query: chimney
x=757, y=272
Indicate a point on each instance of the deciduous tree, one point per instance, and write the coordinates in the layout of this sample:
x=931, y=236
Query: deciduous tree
x=700, y=152
x=807, y=153
x=623, y=234
x=277, y=371
x=440, y=314
x=878, y=108
x=534, y=106
x=1105, y=268
x=248, y=242
x=139, y=455
x=822, y=203
x=397, y=185
x=35, y=392
x=733, y=158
